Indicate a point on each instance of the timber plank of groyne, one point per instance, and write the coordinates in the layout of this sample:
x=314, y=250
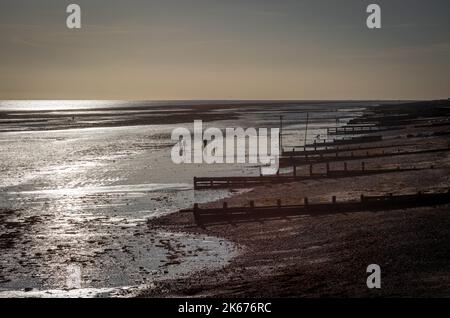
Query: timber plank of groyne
x=323, y=150
x=356, y=140
x=246, y=182
x=354, y=130
x=286, y=161
x=337, y=142
x=366, y=203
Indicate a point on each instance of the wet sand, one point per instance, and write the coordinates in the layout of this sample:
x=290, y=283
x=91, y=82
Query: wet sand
x=327, y=255
x=79, y=196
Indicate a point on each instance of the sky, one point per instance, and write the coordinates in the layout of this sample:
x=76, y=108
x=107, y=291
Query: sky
x=229, y=49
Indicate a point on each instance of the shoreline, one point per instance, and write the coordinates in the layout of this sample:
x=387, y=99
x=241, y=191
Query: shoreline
x=48, y=120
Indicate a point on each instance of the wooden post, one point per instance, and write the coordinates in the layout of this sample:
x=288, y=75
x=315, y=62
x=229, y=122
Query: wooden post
x=196, y=218
x=334, y=199
x=252, y=204
x=281, y=135
x=295, y=169
x=306, y=201
x=310, y=170
x=362, y=198
x=279, y=203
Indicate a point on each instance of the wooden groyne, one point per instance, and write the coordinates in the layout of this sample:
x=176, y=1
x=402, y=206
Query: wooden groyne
x=317, y=151
x=348, y=156
x=366, y=203
x=338, y=142
x=355, y=129
x=252, y=181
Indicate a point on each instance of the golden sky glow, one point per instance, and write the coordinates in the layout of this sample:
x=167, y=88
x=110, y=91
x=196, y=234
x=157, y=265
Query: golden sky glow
x=232, y=49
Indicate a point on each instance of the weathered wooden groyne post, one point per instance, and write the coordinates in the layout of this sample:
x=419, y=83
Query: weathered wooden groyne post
x=196, y=214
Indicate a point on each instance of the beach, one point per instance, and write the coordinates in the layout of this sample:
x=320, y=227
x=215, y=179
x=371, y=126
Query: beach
x=326, y=255
x=93, y=186
x=80, y=180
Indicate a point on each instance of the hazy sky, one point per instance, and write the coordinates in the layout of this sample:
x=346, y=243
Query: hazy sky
x=229, y=49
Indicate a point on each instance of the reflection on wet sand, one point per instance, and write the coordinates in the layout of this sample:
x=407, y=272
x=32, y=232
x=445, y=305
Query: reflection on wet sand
x=82, y=197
